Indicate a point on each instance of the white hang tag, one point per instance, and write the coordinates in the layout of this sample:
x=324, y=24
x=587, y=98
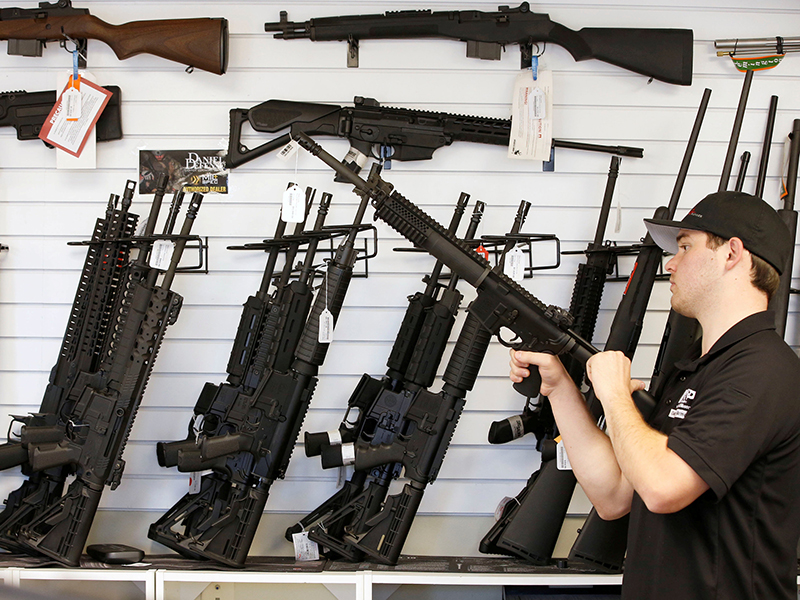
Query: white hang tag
x=161, y=254
x=194, y=482
x=304, y=548
x=501, y=506
x=562, y=460
x=325, y=327
x=532, y=116
x=71, y=100
x=294, y=205
x=288, y=150
x=514, y=266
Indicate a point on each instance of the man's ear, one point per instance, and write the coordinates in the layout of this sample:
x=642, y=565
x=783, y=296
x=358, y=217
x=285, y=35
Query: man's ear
x=736, y=252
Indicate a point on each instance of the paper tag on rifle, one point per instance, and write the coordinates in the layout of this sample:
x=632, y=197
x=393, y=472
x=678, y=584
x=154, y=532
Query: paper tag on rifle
x=194, y=482
x=161, y=254
x=531, y=116
x=294, y=205
x=72, y=100
x=288, y=150
x=514, y=267
x=325, y=327
x=562, y=460
x=304, y=548
x=501, y=507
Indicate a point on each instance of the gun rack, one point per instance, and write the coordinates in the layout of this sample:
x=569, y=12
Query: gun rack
x=618, y=251
x=495, y=244
x=327, y=234
x=193, y=242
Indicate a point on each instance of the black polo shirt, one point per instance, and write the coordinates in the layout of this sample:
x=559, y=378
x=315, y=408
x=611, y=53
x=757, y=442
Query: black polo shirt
x=734, y=416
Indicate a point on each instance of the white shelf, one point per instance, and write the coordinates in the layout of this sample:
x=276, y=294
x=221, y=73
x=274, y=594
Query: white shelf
x=352, y=585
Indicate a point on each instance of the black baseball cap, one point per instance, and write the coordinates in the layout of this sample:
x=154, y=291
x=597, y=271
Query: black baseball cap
x=732, y=214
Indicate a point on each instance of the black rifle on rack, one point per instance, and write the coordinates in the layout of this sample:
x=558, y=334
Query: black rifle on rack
x=409, y=430
x=81, y=351
x=266, y=335
x=377, y=406
x=601, y=543
x=664, y=54
x=250, y=424
x=403, y=134
x=530, y=526
x=26, y=112
x=500, y=303
x=93, y=414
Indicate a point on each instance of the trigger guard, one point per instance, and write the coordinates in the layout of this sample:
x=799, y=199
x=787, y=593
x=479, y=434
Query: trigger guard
x=515, y=343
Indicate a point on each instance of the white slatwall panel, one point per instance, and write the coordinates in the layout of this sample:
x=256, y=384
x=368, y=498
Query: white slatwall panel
x=42, y=208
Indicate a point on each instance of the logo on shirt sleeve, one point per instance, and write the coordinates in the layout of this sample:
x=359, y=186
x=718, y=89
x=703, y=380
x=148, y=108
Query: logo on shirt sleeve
x=683, y=406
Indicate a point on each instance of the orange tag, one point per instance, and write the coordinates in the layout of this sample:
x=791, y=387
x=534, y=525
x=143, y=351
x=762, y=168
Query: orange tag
x=483, y=252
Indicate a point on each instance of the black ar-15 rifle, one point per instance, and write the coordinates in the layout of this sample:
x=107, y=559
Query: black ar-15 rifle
x=500, y=301
x=379, y=411
x=665, y=54
x=410, y=430
x=401, y=133
x=250, y=424
x=200, y=43
x=115, y=330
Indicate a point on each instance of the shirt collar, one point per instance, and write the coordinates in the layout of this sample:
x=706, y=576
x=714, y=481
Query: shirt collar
x=760, y=321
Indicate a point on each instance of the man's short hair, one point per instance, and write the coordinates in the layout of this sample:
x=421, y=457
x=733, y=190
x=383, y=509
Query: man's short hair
x=763, y=275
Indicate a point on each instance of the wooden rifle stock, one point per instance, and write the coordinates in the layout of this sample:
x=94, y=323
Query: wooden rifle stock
x=201, y=43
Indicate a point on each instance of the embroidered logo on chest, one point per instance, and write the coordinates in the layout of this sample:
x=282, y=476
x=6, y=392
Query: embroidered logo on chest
x=683, y=406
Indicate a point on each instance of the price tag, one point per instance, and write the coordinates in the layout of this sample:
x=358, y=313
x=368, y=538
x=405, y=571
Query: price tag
x=161, y=254
x=325, y=327
x=288, y=150
x=483, y=252
x=514, y=267
x=531, y=116
x=562, y=460
x=194, y=482
x=294, y=205
x=304, y=548
x=72, y=101
x=501, y=507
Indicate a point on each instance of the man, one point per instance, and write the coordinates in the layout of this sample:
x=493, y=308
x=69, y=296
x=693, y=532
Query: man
x=713, y=481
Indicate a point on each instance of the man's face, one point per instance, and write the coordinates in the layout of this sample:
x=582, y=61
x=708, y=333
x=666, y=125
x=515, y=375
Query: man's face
x=694, y=271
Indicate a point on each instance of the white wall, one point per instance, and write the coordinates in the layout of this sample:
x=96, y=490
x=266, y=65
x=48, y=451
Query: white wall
x=42, y=208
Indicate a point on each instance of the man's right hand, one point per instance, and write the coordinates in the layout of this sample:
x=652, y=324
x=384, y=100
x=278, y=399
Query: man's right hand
x=551, y=370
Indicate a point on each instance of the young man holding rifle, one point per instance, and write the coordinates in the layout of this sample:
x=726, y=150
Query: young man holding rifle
x=712, y=482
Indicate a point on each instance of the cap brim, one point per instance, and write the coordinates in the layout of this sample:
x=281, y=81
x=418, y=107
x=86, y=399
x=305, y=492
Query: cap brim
x=664, y=233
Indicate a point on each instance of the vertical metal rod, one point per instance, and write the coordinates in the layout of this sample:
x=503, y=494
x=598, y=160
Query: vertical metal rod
x=762, y=166
x=727, y=167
